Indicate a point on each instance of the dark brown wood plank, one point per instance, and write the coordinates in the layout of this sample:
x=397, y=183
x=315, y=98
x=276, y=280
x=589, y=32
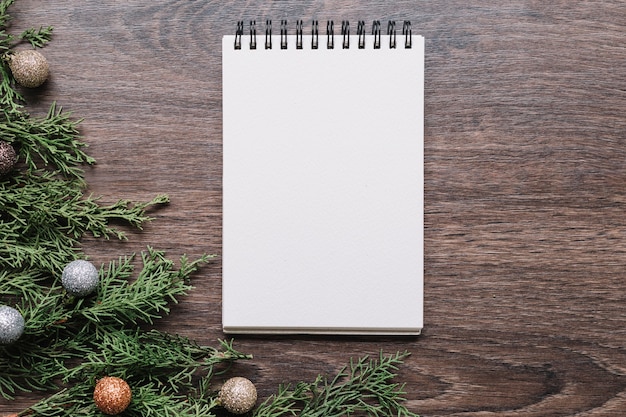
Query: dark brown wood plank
x=525, y=186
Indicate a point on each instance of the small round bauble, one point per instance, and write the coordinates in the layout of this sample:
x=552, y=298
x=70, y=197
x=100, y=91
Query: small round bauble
x=238, y=395
x=80, y=278
x=29, y=67
x=112, y=395
x=11, y=325
x=8, y=157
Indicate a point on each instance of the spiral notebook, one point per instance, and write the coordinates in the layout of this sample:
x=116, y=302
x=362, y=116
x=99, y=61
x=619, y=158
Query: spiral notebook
x=323, y=179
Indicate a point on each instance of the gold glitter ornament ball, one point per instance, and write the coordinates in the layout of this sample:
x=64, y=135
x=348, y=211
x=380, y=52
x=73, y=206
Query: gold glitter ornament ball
x=238, y=395
x=8, y=157
x=112, y=395
x=29, y=67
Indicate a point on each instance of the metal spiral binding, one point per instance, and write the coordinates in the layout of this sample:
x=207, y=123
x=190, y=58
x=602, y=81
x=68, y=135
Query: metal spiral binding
x=252, y=34
x=238, y=34
x=345, y=33
x=330, y=35
x=315, y=32
x=391, y=31
x=268, y=34
x=376, y=33
x=406, y=32
x=283, y=34
x=360, y=31
x=299, y=34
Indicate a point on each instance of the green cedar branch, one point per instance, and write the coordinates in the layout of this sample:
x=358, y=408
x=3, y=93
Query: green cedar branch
x=37, y=37
x=71, y=339
x=5, y=39
x=365, y=387
x=50, y=141
x=43, y=217
x=147, y=400
x=11, y=100
x=22, y=285
x=155, y=391
x=146, y=298
x=34, y=365
x=152, y=357
x=151, y=400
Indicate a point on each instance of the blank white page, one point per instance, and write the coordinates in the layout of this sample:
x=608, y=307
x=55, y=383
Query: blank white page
x=323, y=187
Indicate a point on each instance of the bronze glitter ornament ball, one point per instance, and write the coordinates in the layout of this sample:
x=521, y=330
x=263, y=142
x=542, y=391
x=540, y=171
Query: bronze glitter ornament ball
x=8, y=157
x=238, y=395
x=29, y=67
x=112, y=395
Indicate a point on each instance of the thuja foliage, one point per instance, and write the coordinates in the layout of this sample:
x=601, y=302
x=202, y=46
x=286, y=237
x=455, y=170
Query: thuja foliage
x=364, y=387
x=68, y=342
x=43, y=210
x=76, y=340
x=10, y=99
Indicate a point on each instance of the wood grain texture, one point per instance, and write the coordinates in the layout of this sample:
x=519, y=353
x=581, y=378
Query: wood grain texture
x=525, y=185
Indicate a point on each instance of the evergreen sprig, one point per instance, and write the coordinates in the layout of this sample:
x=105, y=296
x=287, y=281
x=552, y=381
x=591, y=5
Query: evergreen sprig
x=120, y=299
x=47, y=141
x=144, y=299
x=44, y=216
x=6, y=39
x=37, y=37
x=152, y=357
x=43, y=210
x=148, y=400
x=11, y=101
x=364, y=387
x=10, y=98
x=79, y=340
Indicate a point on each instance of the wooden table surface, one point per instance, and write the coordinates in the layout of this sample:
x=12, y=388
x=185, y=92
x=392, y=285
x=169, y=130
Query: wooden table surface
x=525, y=185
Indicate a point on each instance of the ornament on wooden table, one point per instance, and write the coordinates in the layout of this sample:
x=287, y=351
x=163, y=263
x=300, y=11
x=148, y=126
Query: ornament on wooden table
x=238, y=395
x=29, y=67
x=11, y=325
x=80, y=278
x=112, y=395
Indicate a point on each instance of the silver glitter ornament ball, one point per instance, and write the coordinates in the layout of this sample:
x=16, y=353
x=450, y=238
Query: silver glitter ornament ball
x=80, y=278
x=11, y=325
